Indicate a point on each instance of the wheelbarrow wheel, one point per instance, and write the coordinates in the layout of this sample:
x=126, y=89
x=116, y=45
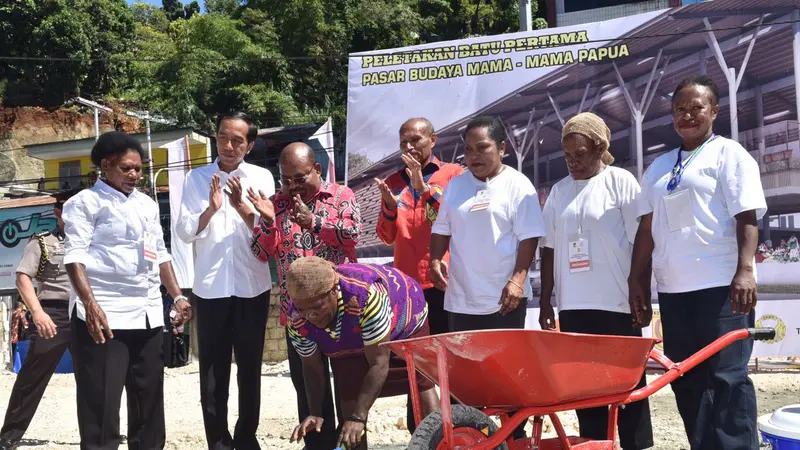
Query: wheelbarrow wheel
x=470, y=426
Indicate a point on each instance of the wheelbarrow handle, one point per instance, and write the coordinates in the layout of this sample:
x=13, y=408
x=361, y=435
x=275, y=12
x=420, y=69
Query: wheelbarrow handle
x=762, y=334
x=675, y=370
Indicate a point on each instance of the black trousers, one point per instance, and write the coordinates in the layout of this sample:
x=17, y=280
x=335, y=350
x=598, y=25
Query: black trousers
x=133, y=360
x=513, y=320
x=329, y=435
x=39, y=365
x=437, y=316
x=227, y=326
x=634, y=424
x=716, y=400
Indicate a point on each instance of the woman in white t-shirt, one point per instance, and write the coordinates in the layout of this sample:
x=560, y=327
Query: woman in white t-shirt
x=591, y=223
x=699, y=208
x=491, y=220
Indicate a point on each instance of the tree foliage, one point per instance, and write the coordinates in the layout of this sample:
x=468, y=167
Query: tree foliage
x=91, y=30
x=223, y=7
x=283, y=61
x=175, y=10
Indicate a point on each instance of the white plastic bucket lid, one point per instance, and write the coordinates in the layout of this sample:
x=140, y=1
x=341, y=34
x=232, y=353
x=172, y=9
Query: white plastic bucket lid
x=785, y=422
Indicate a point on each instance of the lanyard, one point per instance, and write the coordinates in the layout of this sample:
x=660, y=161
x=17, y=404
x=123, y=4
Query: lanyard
x=680, y=166
x=580, y=205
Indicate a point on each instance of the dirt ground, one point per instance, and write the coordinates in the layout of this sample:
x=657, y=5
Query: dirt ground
x=55, y=425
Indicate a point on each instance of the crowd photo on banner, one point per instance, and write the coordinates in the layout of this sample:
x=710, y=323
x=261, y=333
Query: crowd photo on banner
x=583, y=236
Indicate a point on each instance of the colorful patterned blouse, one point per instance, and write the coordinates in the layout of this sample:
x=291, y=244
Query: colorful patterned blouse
x=374, y=301
x=337, y=226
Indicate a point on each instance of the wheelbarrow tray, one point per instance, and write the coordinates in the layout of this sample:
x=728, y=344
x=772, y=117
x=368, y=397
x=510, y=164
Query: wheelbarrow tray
x=530, y=368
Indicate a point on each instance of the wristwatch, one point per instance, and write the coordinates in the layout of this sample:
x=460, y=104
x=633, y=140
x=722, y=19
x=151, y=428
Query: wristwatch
x=179, y=298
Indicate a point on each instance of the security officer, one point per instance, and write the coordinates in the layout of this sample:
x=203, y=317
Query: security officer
x=41, y=260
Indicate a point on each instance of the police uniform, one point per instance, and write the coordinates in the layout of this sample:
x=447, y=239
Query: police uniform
x=43, y=261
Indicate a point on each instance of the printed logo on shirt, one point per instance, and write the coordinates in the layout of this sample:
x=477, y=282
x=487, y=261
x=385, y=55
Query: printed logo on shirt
x=400, y=203
x=430, y=212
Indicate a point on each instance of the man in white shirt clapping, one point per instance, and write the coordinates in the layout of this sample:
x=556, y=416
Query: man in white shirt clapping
x=231, y=286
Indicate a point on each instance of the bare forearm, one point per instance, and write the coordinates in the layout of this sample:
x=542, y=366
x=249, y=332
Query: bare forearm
x=439, y=246
x=314, y=378
x=641, y=260
x=548, y=275
x=746, y=239
x=525, y=254
x=80, y=282
x=28, y=293
x=168, y=279
x=205, y=219
x=373, y=384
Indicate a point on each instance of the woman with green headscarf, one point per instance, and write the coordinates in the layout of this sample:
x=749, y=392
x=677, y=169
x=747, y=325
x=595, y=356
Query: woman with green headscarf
x=591, y=220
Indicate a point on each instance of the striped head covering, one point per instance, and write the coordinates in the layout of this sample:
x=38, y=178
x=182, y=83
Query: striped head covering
x=594, y=128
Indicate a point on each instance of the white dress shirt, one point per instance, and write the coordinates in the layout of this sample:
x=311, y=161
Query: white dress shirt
x=224, y=266
x=105, y=231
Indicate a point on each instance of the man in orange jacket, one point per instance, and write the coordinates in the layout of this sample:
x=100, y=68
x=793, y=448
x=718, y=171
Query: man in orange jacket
x=410, y=203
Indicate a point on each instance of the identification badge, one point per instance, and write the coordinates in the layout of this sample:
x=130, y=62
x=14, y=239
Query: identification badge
x=579, y=258
x=150, y=251
x=678, y=206
x=481, y=201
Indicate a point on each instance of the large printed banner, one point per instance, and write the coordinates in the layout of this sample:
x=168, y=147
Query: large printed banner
x=445, y=82
x=781, y=314
x=624, y=70
x=17, y=225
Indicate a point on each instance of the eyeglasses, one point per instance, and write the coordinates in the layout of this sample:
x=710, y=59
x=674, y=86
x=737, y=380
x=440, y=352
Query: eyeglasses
x=297, y=181
x=312, y=312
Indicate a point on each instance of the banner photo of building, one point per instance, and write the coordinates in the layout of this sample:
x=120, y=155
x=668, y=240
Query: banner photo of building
x=625, y=70
x=17, y=226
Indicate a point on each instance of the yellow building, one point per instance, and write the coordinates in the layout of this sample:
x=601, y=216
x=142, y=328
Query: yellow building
x=67, y=163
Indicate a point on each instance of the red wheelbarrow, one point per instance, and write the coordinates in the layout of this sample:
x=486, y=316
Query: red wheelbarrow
x=532, y=373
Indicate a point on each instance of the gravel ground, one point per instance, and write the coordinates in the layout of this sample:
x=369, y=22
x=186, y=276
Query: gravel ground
x=55, y=425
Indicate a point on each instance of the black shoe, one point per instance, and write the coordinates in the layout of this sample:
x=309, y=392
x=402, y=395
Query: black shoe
x=5, y=444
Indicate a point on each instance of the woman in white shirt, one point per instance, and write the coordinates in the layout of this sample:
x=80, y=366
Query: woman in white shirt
x=699, y=209
x=591, y=224
x=116, y=260
x=491, y=221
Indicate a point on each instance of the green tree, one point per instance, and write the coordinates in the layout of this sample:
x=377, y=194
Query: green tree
x=210, y=65
x=224, y=7
x=191, y=9
x=150, y=15
x=285, y=61
x=90, y=31
x=323, y=32
x=173, y=9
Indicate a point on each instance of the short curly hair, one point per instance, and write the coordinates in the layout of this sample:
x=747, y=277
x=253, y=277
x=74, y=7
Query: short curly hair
x=114, y=143
x=699, y=80
x=494, y=127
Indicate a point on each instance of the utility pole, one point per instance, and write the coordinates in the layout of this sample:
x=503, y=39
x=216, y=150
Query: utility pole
x=97, y=108
x=525, y=22
x=145, y=115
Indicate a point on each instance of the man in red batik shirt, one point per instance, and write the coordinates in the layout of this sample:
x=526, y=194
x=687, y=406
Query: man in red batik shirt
x=306, y=217
x=410, y=204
